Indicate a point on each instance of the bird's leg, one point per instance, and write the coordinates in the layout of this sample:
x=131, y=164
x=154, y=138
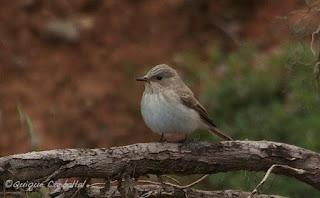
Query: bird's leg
x=162, y=139
x=183, y=143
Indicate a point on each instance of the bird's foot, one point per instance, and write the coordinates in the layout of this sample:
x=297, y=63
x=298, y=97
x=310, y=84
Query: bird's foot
x=162, y=138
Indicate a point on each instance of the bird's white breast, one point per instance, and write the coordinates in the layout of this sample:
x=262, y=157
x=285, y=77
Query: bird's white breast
x=164, y=113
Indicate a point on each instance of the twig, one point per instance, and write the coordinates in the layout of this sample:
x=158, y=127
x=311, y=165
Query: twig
x=173, y=179
x=255, y=190
x=78, y=190
x=313, y=35
x=149, y=182
x=316, y=69
x=102, y=184
x=195, y=182
x=175, y=185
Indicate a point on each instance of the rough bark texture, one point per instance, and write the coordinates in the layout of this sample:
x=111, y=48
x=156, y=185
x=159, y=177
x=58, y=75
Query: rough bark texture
x=163, y=158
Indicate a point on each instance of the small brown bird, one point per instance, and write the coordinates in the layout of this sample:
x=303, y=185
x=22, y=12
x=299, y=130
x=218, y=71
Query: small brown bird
x=168, y=105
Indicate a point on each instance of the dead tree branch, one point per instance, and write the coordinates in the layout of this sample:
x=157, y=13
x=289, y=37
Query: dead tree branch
x=163, y=158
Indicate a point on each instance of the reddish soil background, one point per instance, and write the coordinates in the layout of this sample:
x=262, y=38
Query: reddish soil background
x=83, y=93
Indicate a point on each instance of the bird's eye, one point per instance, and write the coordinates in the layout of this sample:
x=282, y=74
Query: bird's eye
x=159, y=77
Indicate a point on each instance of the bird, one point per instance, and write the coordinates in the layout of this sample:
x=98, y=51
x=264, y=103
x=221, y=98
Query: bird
x=169, y=106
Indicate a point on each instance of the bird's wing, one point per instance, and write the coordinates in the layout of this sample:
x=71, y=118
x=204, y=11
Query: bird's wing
x=188, y=99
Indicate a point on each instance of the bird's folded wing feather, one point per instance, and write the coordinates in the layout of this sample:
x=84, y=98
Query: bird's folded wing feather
x=190, y=101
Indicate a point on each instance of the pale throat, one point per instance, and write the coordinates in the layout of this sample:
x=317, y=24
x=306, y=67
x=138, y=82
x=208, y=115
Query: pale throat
x=164, y=113
x=153, y=88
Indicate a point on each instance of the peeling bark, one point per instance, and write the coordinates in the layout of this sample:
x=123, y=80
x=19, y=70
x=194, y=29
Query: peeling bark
x=162, y=158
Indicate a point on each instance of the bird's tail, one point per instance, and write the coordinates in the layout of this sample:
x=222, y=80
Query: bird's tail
x=219, y=133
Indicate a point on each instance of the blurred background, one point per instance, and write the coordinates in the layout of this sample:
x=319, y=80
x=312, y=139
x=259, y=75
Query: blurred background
x=67, y=71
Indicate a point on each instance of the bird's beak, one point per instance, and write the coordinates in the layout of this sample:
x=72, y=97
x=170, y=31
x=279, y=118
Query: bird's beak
x=143, y=78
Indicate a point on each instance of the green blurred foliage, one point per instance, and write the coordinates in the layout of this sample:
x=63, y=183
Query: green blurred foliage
x=257, y=96
x=26, y=120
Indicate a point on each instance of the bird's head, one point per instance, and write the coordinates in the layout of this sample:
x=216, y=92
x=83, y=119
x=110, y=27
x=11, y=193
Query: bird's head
x=160, y=76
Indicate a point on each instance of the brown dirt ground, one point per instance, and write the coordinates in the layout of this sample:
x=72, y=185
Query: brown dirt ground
x=83, y=94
